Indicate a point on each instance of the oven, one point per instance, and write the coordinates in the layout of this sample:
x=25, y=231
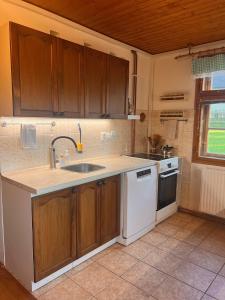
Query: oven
x=167, y=188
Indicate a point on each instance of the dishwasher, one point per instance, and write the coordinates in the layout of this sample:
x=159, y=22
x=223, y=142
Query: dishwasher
x=139, y=203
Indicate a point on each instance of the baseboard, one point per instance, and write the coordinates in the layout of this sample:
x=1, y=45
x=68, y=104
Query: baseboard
x=202, y=215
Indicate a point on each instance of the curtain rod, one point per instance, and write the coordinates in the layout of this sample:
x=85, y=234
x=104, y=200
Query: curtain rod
x=209, y=52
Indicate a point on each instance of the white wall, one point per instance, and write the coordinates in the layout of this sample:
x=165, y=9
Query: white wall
x=172, y=75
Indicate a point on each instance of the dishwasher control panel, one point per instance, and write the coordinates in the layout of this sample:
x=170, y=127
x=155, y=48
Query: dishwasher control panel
x=144, y=173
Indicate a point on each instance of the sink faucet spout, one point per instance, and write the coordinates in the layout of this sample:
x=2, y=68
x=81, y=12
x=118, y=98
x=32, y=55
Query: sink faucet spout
x=52, y=149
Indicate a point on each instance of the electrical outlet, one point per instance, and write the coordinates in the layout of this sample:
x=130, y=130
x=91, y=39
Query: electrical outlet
x=103, y=136
x=108, y=135
x=113, y=134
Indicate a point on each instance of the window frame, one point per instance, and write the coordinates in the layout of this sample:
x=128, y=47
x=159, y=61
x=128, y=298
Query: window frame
x=204, y=97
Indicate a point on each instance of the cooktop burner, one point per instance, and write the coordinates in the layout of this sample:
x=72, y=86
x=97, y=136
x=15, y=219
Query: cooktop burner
x=151, y=156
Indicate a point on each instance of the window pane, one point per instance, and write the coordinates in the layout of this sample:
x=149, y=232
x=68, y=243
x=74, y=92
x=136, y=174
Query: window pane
x=218, y=80
x=214, y=81
x=217, y=116
x=216, y=142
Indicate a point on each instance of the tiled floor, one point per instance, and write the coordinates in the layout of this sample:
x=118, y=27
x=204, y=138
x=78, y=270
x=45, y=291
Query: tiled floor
x=183, y=258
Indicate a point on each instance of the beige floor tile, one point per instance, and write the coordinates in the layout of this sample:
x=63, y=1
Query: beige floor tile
x=190, y=237
x=208, y=227
x=145, y=277
x=176, y=247
x=162, y=260
x=138, y=249
x=206, y=260
x=167, y=229
x=222, y=272
x=172, y=289
x=67, y=290
x=217, y=289
x=154, y=238
x=49, y=286
x=218, y=232
x=94, y=278
x=195, y=276
x=207, y=297
x=118, y=262
x=121, y=290
x=195, y=225
x=216, y=246
x=177, y=220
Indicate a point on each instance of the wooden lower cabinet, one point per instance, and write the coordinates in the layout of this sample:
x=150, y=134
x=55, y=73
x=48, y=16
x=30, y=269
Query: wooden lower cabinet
x=54, y=232
x=110, y=209
x=88, y=217
x=70, y=223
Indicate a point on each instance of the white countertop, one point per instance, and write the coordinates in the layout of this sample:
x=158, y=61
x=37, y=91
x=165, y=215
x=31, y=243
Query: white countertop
x=42, y=180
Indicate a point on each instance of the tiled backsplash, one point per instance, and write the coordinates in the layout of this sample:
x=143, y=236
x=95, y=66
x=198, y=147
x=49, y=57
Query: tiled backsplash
x=13, y=156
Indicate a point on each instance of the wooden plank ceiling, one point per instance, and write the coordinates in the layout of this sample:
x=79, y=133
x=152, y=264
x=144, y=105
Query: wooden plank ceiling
x=154, y=26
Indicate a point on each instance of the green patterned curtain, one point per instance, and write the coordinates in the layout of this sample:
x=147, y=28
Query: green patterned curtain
x=208, y=64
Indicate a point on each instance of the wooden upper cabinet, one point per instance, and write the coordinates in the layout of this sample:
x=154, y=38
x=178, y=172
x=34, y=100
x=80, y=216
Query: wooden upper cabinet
x=117, y=94
x=45, y=76
x=95, y=83
x=110, y=209
x=70, y=79
x=88, y=218
x=32, y=61
x=54, y=231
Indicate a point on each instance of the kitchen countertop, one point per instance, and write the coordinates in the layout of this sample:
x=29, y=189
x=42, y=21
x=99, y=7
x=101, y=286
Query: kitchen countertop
x=42, y=180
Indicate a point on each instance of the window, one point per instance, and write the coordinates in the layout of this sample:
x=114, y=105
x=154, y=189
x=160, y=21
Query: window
x=209, y=133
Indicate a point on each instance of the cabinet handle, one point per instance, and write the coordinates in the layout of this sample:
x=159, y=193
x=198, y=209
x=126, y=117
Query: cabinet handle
x=99, y=183
x=58, y=113
x=74, y=190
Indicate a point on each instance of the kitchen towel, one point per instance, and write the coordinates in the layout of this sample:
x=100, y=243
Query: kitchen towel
x=171, y=129
x=28, y=136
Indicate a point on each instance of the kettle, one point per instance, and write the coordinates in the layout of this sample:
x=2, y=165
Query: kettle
x=167, y=150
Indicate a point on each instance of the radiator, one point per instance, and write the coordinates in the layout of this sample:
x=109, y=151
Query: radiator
x=212, y=194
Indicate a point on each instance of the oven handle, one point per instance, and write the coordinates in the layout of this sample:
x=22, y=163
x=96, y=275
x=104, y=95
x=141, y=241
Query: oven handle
x=170, y=174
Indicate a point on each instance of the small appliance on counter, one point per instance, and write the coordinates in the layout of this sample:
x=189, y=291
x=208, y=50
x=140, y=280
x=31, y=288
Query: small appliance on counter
x=167, y=150
x=168, y=170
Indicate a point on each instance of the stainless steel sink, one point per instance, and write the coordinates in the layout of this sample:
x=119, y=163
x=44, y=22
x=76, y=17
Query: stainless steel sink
x=83, y=168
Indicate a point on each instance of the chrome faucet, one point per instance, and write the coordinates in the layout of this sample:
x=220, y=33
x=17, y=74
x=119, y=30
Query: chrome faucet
x=52, y=149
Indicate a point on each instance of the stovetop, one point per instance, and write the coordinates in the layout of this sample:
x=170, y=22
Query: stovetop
x=151, y=156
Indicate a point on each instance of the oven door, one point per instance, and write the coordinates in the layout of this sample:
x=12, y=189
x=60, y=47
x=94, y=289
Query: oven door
x=167, y=188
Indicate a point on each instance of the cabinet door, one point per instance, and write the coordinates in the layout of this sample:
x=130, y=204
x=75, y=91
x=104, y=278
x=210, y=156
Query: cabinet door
x=117, y=95
x=88, y=230
x=70, y=79
x=54, y=231
x=95, y=83
x=32, y=59
x=110, y=209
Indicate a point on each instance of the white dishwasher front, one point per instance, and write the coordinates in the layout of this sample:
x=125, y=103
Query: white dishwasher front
x=139, y=203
